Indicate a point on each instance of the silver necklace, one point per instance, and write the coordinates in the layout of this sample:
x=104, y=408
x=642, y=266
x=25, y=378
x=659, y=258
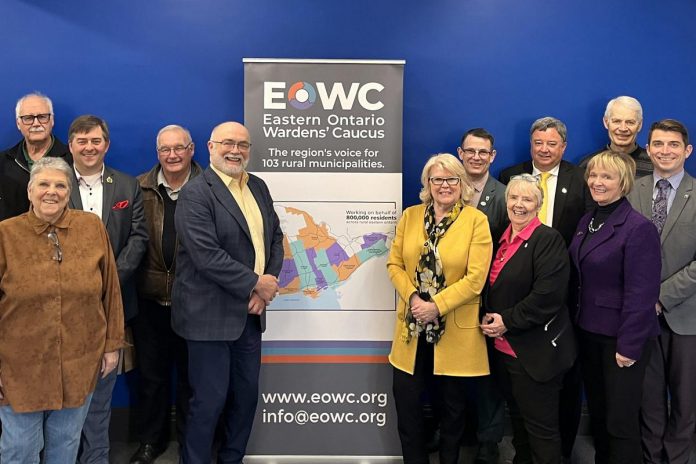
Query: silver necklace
x=591, y=227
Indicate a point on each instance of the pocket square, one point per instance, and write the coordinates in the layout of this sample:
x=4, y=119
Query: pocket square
x=120, y=205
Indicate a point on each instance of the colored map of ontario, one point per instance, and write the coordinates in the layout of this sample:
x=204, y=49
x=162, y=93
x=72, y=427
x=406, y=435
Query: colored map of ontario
x=315, y=260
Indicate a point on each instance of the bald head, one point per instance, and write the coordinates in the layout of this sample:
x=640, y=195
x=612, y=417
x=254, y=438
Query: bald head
x=229, y=148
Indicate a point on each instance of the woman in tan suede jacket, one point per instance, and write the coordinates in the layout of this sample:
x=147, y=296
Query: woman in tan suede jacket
x=61, y=319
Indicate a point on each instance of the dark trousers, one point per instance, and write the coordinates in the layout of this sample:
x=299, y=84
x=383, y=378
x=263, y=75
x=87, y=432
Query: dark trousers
x=408, y=396
x=158, y=349
x=570, y=408
x=533, y=410
x=489, y=405
x=613, y=398
x=224, y=379
x=667, y=426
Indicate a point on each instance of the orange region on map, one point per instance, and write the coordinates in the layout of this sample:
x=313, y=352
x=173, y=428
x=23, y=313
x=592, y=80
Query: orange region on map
x=313, y=235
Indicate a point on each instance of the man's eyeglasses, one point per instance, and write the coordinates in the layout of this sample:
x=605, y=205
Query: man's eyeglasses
x=179, y=149
x=230, y=144
x=28, y=119
x=445, y=180
x=58, y=251
x=471, y=152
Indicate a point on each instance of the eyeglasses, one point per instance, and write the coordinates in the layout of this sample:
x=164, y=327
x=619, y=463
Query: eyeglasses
x=483, y=153
x=28, y=119
x=445, y=180
x=58, y=251
x=179, y=149
x=230, y=144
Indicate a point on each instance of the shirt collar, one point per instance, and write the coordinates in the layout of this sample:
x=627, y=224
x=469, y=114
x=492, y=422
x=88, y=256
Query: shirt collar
x=161, y=180
x=229, y=180
x=80, y=176
x=480, y=184
x=553, y=172
x=524, y=234
x=674, y=180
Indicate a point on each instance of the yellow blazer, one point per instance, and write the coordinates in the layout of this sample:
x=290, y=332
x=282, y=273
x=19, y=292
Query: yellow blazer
x=465, y=251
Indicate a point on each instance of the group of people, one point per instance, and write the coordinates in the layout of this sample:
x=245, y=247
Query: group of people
x=515, y=290
x=520, y=289
x=87, y=251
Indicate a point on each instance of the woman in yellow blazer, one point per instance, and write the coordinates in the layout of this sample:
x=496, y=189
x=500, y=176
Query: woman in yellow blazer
x=438, y=264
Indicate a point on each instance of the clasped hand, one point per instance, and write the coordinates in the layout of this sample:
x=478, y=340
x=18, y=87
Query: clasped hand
x=493, y=325
x=423, y=311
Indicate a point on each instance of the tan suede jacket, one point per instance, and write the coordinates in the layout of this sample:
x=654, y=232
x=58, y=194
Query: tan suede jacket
x=57, y=319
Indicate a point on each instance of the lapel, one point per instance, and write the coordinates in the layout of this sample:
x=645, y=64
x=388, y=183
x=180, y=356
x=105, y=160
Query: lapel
x=108, y=189
x=645, y=192
x=75, y=199
x=562, y=187
x=487, y=195
x=224, y=196
x=681, y=198
x=616, y=219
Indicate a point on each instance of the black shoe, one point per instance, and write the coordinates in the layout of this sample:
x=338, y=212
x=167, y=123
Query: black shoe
x=146, y=454
x=487, y=453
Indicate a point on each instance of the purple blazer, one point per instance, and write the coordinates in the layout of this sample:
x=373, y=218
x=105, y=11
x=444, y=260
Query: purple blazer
x=619, y=278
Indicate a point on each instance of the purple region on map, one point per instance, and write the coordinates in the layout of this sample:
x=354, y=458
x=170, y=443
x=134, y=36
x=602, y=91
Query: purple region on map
x=288, y=272
x=320, y=280
x=371, y=239
x=336, y=254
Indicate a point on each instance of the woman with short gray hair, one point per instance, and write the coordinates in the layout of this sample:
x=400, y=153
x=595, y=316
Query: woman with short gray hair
x=61, y=319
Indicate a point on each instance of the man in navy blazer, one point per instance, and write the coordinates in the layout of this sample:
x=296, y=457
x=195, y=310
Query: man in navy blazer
x=230, y=254
x=667, y=431
x=116, y=198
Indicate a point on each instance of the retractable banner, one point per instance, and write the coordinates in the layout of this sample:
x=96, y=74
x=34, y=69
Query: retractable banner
x=327, y=139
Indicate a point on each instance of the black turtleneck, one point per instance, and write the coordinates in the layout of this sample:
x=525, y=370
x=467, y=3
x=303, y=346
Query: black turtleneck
x=600, y=215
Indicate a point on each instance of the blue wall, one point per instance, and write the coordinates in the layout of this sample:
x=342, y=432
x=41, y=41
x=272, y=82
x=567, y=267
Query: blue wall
x=493, y=63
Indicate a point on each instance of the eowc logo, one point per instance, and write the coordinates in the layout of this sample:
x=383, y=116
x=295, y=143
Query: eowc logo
x=302, y=95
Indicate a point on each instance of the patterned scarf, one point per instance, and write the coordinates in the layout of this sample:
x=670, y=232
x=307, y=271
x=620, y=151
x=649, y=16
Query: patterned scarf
x=429, y=275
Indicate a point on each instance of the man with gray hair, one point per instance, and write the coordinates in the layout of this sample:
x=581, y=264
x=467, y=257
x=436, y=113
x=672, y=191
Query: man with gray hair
x=34, y=117
x=565, y=192
x=623, y=120
x=157, y=347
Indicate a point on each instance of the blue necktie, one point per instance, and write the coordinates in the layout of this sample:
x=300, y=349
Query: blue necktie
x=659, y=208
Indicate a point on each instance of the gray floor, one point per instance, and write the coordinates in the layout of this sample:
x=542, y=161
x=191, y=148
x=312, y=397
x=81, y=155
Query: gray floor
x=582, y=454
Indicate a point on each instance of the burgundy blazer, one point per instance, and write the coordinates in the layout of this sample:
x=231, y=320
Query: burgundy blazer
x=618, y=278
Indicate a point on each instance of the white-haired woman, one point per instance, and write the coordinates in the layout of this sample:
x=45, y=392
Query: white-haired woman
x=527, y=315
x=438, y=264
x=61, y=319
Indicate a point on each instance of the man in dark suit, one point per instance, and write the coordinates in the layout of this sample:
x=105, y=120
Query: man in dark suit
x=230, y=254
x=116, y=198
x=477, y=152
x=35, y=119
x=566, y=199
x=623, y=120
x=666, y=197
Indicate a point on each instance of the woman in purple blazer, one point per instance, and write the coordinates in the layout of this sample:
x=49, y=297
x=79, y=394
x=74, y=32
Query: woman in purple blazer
x=616, y=252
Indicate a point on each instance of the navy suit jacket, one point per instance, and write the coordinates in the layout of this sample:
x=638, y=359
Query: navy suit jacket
x=215, y=261
x=572, y=198
x=123, y=216
x=619, y=278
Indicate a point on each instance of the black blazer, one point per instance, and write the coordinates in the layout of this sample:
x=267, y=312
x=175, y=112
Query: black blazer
x=572, y=198
x=530, y=295
x=13, y=198
x=123, y=216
